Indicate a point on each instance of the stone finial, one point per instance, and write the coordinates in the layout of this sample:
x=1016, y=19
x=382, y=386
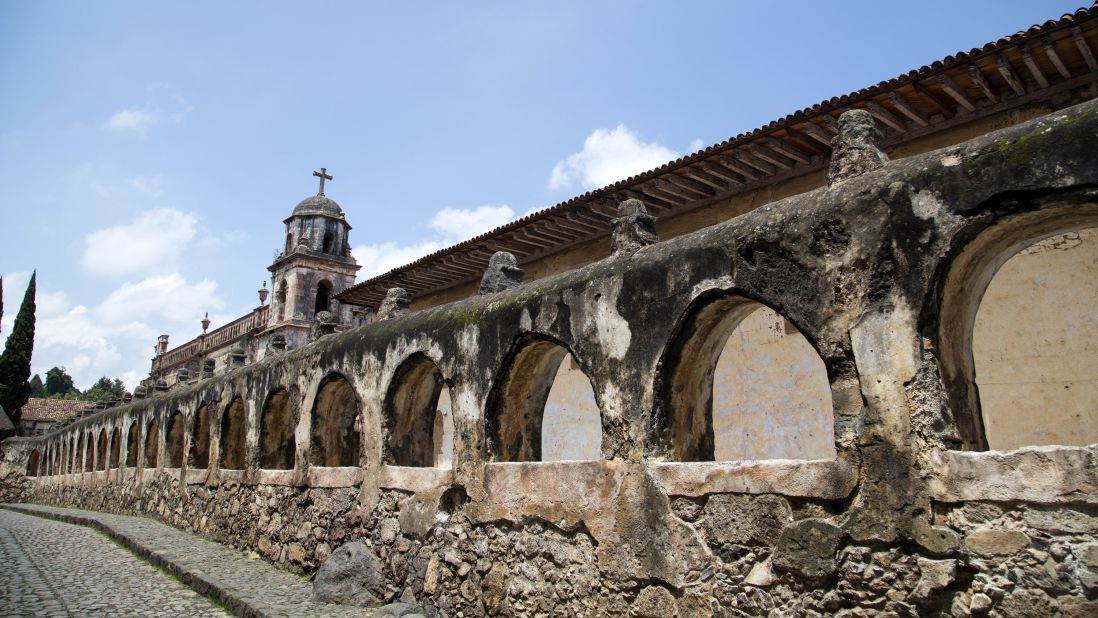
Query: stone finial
x=237, y=356
x=633, y=228
x=325, y=324
x=140, y=392
x=854, y=150
x=395, y=304
x=503, y=273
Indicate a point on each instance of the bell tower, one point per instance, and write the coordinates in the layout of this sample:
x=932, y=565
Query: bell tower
x=315, y=265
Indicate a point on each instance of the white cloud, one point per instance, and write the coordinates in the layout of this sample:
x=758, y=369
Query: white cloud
x=162, y=104
x=450, y=225
x=462, y=223
x=609, y=155
x=167, y=296
x=153, y=241
x=132, y=119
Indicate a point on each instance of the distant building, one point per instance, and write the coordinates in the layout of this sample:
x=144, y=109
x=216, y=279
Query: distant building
x=314, y=266
x=39, y=415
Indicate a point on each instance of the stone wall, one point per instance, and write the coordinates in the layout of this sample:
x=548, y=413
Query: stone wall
x=878, y=272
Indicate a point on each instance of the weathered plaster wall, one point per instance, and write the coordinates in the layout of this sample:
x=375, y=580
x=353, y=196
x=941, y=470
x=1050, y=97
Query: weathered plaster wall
x=899, y=521
x=771, y=397
x=1035, y=345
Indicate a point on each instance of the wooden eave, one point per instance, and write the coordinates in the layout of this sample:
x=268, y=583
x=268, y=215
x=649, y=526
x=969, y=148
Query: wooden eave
x=1047, y=62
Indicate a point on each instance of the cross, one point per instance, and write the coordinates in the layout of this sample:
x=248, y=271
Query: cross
x=323, y=175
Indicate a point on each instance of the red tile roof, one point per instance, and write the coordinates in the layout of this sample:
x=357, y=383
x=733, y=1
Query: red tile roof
x=1046, y=60
x=55, y=410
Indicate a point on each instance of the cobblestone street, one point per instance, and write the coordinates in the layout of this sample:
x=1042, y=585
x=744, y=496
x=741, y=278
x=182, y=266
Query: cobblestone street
x=57, y=569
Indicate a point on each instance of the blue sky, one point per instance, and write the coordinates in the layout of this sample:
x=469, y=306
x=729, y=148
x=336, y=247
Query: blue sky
x=150, y=150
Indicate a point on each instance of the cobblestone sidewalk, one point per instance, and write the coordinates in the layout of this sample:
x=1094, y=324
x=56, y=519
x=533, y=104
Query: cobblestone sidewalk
x=248, y=587
x=56, y=569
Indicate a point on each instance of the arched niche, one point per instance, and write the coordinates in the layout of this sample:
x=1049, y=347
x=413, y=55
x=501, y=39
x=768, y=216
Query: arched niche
x=1018, y=332
x=417, y=427
x=323, y=297
x=200, y=439
x=739, y=382
x=132, y=443
x=276, y=432
x=173, y=446
x=78, y=453
x=233, y=436
x=82, y=452
x=542, y=387
x=101, y=451
x=336, y=424
x=152, y=445
x=116, y=447
x=32, y=463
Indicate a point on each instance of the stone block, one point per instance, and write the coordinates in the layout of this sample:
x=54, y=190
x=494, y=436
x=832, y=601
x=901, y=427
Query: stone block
x=992, y=542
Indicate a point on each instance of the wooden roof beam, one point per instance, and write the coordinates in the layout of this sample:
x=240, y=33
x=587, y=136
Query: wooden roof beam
x=1084, y=48
x=809, y=143
x=954, y=90
x=513, y=238
x=1034, y=68
x=683, y=193
x=885, y=116
x=733, y=164
x=1054, y=58
x=536, y=233
x=937, y=103
x=816, y=133
x=649, y=201
x=653, y=191
x=562, y=224
x=978, y=78
x=1009, y=75
x=602, y=208
x=785, y=149
x=722, y=172
x=907, y=109
x=592, y=226
x=690, y=185
x=697, y=173
x=768, y=156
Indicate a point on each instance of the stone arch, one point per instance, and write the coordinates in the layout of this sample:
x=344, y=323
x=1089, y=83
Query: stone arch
x=1018, y=339
x=152, y=445
x=101, y=450
x=233, y=445
x=200, y=439
x=173, y=442
x=541, y=376
x=289, y=242
x=739, y=381
x=116, y=447
x=32, y=463
x=328, y=242
x=323, y=297
x=412, y=415
x=132, y=443
x=336, y=424
x=78, y=454
x=276, y=431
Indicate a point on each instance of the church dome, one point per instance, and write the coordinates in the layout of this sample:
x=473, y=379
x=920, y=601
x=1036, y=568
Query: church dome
x=318, y=205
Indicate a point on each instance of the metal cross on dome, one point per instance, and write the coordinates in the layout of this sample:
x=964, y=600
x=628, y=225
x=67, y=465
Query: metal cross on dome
x=323, y=175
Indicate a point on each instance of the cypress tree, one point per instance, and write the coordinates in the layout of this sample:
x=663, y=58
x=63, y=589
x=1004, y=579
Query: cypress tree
x=15, y=362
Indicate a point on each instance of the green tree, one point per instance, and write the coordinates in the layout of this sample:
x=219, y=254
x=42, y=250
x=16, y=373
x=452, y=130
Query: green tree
x=16, y=360
x=105, y=389
x=58, y=382
x=38, y=388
